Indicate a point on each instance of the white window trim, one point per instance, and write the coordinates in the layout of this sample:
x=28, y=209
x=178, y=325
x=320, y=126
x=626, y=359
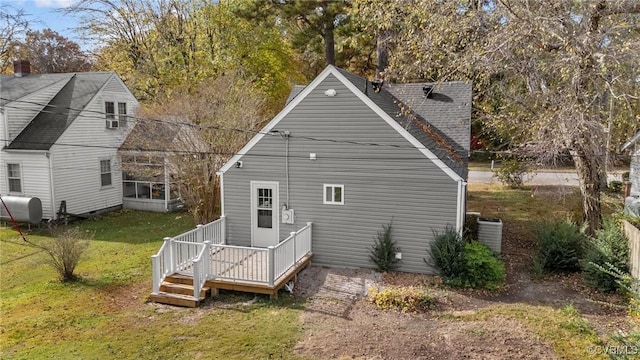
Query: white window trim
x=6, y=166
x=122, y=118
x=112, y=119
x=100, y=172
x=324, y=194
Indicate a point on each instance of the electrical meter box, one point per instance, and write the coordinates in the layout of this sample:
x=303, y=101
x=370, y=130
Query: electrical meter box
x=287, y=216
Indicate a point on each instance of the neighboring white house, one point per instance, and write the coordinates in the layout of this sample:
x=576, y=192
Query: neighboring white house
x=148, y=179
x=60, y=135
x=634, y=169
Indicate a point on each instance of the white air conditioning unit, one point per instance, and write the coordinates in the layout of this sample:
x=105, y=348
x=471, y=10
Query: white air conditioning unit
x=112, y=124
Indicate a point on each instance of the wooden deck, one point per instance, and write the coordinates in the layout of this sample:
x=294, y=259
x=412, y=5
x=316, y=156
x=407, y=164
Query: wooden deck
x=256, y=286
x=231, y=265
x=201, y=256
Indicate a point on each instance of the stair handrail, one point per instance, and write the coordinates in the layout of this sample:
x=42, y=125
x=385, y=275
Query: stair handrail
x=201, y=268
x=161, y=264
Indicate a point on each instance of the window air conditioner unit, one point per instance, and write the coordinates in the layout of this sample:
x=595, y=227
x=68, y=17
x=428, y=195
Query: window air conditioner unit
x=112, y=124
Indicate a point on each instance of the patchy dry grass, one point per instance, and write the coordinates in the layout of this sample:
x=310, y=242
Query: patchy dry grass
x=570, y=335
x=105, y=313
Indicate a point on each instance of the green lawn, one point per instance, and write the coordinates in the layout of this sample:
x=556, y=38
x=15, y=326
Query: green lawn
x=105, y=313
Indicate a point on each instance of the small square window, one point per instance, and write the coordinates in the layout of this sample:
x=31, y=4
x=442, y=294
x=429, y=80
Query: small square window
x=333, y=194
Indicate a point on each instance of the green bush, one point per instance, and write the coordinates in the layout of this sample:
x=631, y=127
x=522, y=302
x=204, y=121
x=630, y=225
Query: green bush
x=406, y=299
x=560, y=246
x=65, y=250
x=383, y=252
x=511, y=173
x=447, y=254
x=615, y=187
x=466, y=264
x=482, y=268
x=608, y=247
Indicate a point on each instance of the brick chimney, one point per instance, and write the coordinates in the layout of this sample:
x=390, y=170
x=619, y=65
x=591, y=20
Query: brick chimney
x=21, y=68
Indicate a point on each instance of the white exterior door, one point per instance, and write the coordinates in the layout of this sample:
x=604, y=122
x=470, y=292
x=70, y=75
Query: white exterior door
x=264, y=213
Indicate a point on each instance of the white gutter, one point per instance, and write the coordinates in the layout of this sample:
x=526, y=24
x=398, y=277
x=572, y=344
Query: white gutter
x=25, y=151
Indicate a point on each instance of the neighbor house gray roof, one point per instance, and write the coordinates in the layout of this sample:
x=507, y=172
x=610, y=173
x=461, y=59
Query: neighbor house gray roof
x=13, y=87
x=633, y=140
x=423, y=117
x=48, y=125
x=297, y=89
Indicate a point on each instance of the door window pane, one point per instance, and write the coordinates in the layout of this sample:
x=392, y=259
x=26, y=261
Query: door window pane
x=265, y=198
x=265, y=219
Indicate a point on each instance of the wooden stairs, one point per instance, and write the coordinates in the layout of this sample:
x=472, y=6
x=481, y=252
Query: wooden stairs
x=177, y=290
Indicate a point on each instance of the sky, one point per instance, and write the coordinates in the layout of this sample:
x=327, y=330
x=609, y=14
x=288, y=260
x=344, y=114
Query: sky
x=43, y=14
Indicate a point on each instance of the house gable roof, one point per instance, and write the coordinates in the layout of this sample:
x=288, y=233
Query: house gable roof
x=166, y=134
x=447, y=109
x=384, y=105
x=48, y=125
x=14, y=88
x=415, y=123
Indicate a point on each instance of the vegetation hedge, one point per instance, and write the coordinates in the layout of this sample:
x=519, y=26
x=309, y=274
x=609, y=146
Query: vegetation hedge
x=466, y=264
x=608, y=247
x=560, y=248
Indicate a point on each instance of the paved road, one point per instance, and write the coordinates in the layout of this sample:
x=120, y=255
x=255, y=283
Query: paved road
x=542, y=178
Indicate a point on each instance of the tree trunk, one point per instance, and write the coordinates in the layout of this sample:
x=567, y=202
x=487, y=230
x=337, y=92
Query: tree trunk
x=329, y=44
x=589, y=175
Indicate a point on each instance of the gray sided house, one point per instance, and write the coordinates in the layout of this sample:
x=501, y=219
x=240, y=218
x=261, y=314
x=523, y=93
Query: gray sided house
x=351, y=157
x=60, y=134
x=634, y=170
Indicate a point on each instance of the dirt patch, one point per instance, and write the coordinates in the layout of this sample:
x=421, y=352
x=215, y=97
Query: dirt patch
x=341, y=323
x=131, y=297
x=348, y=326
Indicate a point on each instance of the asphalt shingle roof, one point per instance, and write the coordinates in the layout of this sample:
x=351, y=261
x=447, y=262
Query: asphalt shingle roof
x=428, y=119
x=48, y=125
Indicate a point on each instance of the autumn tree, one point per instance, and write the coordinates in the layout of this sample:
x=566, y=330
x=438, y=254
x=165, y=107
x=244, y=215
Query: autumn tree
x=547, y=68
x=50, y=52
x=157, y=47
x=209, y=124
x=320, y=31
x=13, y=25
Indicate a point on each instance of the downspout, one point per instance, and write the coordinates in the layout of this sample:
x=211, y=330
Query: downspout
x=221, y=193
x=286, y=162
x=5, y=122
x=462, y=192
x=51, y=187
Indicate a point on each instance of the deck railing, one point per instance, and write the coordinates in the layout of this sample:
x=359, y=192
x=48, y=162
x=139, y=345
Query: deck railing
x=201, y=269
x=287, y=253
x=239, y=263
x=215, y=231
x=179, y=253
x=202, y=253
x=161, y=265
